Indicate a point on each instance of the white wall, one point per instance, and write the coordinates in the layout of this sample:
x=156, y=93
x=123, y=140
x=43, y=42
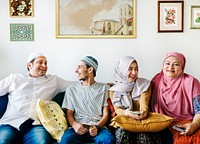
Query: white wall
x=149, y=48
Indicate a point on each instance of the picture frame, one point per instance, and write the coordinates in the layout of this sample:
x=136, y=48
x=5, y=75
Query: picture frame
x=170, y=16
x=195, y=17
x=95, y=19
x=21, y=32
x=21, y=8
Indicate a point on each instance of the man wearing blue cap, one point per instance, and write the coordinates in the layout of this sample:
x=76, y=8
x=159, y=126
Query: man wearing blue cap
x=87, y=108
x=19, y=123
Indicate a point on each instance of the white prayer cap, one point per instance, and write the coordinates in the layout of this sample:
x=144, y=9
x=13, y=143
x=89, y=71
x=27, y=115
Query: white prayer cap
x=34, y=55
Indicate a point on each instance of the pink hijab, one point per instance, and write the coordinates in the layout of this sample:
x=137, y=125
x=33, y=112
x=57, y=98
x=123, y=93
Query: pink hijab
x=174, y=96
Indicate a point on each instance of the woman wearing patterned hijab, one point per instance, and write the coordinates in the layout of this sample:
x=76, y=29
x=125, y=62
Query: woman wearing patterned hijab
x=177, y=94
x=131, y=93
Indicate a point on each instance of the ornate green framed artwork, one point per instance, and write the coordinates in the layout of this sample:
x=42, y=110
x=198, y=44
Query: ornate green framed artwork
x=21, y=8
x=95, y=19
x=195, y=17
x=21, y=32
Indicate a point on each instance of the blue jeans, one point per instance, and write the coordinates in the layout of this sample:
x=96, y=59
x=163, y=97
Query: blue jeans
x=36, y=135
x=103, y=137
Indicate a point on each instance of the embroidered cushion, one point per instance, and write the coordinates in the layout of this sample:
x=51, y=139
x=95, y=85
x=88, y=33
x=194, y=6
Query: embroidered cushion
x=153, y=123
x=52, y=118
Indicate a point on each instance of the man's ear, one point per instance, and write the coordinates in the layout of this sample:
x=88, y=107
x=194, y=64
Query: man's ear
x=90, y=69
x=29, y=65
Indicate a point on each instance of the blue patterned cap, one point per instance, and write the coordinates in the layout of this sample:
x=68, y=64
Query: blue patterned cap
x=90, y=61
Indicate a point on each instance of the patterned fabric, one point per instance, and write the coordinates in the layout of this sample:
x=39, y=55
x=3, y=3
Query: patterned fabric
x=52, y=118
x=183, y=139
x=111, y=108
x=90, y=61
x=196, y=104
x=126, y=137
x=86, y=101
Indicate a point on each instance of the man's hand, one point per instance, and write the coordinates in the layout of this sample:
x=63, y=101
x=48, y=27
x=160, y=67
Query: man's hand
x=80, y=129
x=93, y=130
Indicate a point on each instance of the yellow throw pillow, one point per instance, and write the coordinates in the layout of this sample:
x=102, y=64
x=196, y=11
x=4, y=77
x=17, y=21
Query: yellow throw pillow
x=52, y=118
x=153, y=123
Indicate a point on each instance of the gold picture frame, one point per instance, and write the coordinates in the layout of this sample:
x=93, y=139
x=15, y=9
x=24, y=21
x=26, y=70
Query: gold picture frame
x=21, y=8
x=195, y=17
x=95, y=19
x=170, y=16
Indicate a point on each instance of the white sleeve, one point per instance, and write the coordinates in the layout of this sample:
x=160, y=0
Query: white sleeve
x=62, y=84
x=5, y=84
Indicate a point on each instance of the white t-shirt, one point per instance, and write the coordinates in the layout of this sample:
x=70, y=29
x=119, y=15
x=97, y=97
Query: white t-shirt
x=24, y=92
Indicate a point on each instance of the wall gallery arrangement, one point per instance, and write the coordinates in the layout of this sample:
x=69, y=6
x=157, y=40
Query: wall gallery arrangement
x=100, y=19
x=21, y=31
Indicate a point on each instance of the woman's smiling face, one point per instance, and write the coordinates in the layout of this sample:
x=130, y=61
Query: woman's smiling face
x=172, y=67
x=132, y=72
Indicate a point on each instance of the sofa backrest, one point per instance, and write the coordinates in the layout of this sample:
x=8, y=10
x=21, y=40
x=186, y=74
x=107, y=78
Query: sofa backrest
x=4, y=101
x=3, y=104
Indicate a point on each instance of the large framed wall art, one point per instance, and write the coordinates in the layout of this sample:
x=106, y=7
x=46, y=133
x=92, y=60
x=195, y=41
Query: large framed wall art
x=95, y=19
x=21, y=8
x=170, y=16
x=195, y=17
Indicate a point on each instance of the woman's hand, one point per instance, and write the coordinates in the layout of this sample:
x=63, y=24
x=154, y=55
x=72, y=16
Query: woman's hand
x=142, y=115
x=190, y=128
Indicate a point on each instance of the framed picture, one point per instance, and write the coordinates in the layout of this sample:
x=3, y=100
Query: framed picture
x=21, y=8
x=95, y=19
x=21, y=32
x=195, y=17
x=170, y=16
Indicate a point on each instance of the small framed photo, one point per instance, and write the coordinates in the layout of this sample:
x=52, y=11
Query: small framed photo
x=170, y=16
x=21, y=32
x=195, y=17
x=21, y=8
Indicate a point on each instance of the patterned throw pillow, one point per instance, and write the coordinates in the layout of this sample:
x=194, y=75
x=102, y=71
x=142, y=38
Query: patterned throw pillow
x=52, y=118
x=153, y=123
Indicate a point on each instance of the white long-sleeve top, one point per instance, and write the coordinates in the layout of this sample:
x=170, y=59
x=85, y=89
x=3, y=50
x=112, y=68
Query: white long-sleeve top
x=24, y=92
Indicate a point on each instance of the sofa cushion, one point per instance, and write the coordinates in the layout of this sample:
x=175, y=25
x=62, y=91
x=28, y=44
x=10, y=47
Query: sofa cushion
x=153, y=123
x=3, y=104
x=52, y=118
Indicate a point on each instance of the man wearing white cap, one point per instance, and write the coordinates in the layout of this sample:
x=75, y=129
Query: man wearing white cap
x=19, y=122
x=87, y=108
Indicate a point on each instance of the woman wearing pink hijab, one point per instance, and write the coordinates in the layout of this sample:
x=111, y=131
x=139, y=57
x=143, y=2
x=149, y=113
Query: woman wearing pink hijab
x=177, y=94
